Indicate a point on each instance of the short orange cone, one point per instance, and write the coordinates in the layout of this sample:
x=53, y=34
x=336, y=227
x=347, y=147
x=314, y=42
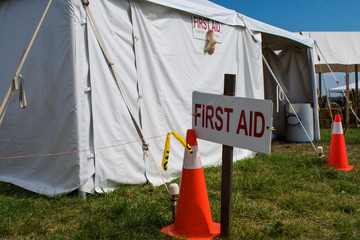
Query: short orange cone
x=193, y=216
x=337, y=153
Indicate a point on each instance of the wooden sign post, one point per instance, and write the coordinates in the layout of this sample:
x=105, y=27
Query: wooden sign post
x=233, y=122
x=227, y=168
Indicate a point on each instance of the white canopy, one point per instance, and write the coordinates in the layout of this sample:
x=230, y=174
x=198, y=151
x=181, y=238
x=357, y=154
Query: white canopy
x=76, y=132
x=343, y=88
x=216, y=12
x=341, y=50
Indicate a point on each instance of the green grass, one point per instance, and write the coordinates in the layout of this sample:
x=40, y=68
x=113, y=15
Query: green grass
x=287, y=195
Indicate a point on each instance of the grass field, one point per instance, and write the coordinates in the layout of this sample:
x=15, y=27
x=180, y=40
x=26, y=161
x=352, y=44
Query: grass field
x=287, y=195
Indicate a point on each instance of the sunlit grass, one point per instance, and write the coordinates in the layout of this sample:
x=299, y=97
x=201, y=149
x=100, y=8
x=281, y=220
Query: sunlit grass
x=287, y=195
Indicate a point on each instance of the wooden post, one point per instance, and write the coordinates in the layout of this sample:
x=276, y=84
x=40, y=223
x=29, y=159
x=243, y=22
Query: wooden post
x=319, y=97
x=356, y=89
x=227, y=172
x=347, y=106
x=320, y=84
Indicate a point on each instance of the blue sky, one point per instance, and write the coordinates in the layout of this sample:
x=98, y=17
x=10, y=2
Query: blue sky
x=301, y=15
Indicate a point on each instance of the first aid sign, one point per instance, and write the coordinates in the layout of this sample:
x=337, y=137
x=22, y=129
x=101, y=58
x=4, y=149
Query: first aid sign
x=233, y=121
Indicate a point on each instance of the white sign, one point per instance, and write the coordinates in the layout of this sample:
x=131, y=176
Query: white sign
x=233, y=121
x=202, y=25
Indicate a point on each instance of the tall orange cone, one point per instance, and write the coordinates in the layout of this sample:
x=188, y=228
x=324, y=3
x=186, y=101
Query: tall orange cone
x=193, y=216
x=337, y=153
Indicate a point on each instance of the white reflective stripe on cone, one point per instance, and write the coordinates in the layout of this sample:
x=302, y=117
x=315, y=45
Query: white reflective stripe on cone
x=337, y=128
x=192, y=161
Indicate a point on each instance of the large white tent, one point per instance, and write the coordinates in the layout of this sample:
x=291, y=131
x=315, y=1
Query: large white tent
x=342, y=89
x=77, y=133
x=339, y=50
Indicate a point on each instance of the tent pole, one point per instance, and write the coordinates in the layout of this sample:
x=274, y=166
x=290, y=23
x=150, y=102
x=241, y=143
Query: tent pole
x=320, y=91
x=356, y=90
x=347, y=108
x=320, y=84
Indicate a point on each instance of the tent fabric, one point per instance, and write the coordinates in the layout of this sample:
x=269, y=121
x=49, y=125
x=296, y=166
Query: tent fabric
x=229, y=17
x=294, y=79
x=52, y=123
x=109, y=111
x=342, y=88
x=340, y=50
x=172, y=64
x=76, y=132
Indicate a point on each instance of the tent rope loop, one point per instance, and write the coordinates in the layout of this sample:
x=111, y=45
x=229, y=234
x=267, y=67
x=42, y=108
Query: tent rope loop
x=15, y=85
x=279, y=97
x=22, y=96
x=146, y=146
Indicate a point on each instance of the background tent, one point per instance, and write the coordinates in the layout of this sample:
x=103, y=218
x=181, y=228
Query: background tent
x=338, y=52
x=342, y=88
x=76, y=132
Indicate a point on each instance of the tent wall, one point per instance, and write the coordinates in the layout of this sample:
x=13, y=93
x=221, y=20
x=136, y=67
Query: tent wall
x=118, y=151
x=171, y=64
x=76, y=132
x=56, y=119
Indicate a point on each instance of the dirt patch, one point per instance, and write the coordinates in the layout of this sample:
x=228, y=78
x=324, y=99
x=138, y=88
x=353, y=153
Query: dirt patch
x=280, y=146
x=352, y=150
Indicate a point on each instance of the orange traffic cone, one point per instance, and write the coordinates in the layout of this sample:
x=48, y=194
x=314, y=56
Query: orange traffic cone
x=193, y=216
x=337, y=153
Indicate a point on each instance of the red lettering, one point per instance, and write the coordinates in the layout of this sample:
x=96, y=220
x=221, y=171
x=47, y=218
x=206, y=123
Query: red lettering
x=251, y=123
x=220, y=125
x=259, y=134
x=242, y=123
x=195, y=19
x=203, y=118
x=228, y=111
x=205, y=24
x=218, y=27
x=197, y=114
x=209, y=116
x=213, y=27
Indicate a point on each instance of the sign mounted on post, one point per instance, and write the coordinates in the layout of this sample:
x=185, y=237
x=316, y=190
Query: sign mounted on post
x=233, y=121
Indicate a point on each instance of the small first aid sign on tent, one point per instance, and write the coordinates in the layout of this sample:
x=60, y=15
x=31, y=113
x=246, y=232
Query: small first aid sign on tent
x=233, y=121
x=202, y=25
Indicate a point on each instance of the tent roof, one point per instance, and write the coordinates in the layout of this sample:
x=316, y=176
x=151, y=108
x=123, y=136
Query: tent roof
x=340, y=49
x=218, y=13
x=338, y=89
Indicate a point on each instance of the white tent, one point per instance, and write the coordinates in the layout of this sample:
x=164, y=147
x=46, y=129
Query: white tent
x=342, y=89
x=76, y=132
x=338, y=49
x=338, y=52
